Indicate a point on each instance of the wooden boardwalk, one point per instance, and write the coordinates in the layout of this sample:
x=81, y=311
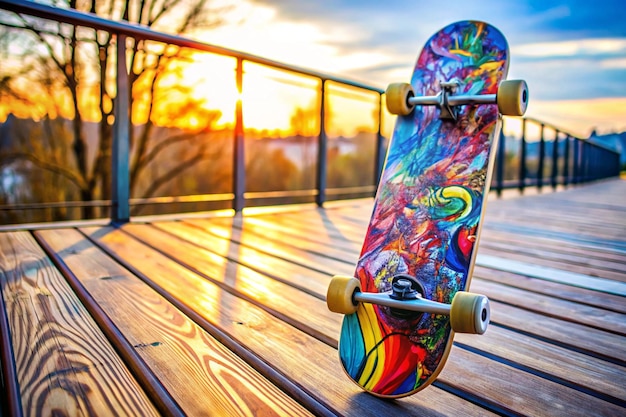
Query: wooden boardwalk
x=218, y=315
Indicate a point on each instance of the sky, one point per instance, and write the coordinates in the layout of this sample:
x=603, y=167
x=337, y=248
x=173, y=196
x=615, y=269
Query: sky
x=572, y=53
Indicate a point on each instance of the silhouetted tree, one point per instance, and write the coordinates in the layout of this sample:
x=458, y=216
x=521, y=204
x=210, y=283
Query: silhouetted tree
x=49, y=65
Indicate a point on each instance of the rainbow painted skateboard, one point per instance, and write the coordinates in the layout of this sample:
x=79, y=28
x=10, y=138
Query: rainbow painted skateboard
x=408, y=294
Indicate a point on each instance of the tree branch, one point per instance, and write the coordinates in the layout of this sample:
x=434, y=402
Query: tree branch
x=8, y=159
x=150, y=156
x=177, y=170
x=43, y=40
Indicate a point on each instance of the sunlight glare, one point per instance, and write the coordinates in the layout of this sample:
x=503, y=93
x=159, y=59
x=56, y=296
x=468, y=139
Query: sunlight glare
x=213, y=80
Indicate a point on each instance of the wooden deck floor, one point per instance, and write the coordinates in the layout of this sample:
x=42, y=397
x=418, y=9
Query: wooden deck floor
x=226, y=316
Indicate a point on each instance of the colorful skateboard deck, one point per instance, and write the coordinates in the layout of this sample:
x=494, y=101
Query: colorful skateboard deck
x=427, y=213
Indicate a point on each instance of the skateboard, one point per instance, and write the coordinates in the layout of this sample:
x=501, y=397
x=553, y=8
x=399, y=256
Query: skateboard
x=408, y=295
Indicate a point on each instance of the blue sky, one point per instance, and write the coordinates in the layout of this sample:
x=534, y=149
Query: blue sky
x=572, y=53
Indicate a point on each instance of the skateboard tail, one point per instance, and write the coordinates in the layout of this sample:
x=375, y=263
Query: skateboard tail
x=379, y=359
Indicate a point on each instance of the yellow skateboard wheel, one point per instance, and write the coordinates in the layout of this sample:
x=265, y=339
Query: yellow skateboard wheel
x=512, y=97
x=340, y=295
x=469, y=313
x=398, y=95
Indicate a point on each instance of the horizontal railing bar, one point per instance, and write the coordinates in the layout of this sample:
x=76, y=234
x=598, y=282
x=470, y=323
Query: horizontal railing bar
x=255, y=195
x=55, y=204
x=351, y=190
x=560, y=130
x=195, y=198
x=136, y=31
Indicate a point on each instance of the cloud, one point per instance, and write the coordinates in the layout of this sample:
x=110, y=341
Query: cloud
x=587, y=68
x=599, y=47
x=569, y=51
x=580, y=117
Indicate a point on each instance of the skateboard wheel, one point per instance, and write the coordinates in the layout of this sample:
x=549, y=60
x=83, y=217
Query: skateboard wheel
x=398, y=95
x=469, y=313
x=512, y=97
x=340, y=295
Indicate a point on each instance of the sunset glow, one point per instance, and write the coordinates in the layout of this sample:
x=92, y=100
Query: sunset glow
x=576, y=79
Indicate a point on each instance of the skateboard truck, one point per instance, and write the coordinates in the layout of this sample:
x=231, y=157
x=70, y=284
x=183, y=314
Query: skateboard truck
x=405, y=287
x=448, y=111
x=469, y=313
x=511, y=98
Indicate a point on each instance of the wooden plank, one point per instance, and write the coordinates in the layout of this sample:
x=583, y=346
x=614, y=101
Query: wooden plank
x=292, y=274
x=63, y=360
x=279, y=298
x=298, y=237
x=552, y=274
x=553, y=289
x=299, y=357
x=581, y=338
x=593, y=257
x=593, y=241
x=599, y=300
x=539, y=323
x=542, y=266
x=600, y=378
x=518, y=392
x=232, y=231
x=554, y=388
x=316, y=243
x=318, y=223
x=548, y=306
x=215, y=380
x=580, y=219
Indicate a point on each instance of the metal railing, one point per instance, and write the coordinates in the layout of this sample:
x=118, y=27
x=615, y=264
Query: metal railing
x=572, y=160
x=540, y=161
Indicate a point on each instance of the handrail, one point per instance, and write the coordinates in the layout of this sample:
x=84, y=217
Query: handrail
x=580, y=160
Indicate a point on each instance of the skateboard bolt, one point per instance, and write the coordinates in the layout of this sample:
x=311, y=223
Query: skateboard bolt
x=402, y=289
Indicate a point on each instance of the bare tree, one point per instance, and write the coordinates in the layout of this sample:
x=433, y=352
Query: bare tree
x=61, y=64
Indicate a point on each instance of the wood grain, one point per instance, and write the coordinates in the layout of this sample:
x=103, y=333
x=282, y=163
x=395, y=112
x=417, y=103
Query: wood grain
x=203, y=376
x=65, y=365
x=492, y=380
x=278, y=298
x=229, y=313
x=308, y=362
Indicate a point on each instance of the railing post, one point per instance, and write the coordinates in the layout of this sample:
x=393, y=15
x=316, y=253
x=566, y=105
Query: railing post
x=542, y=155
x=615, y=169
x=585, y=161
x=322, y=153
x=120, y=172
x=522, y=162
x=566, y=161
x=577, y=164
x=239, y=161
x=596, y=171
x=555, y=160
